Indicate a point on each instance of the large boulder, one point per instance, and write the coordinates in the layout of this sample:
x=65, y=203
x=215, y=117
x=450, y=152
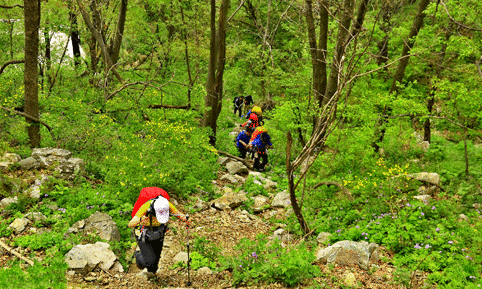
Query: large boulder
x=431, y=178
x=230, y=200
x=236, y=168
x=99, y=224
x=349, y=253
x=54, y=158
x=19, y=225
x=281, y=200
x=7, y=160
x=87, y=257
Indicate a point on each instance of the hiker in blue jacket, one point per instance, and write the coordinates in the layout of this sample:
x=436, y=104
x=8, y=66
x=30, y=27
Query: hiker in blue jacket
x=242, y=141
x=261, y=144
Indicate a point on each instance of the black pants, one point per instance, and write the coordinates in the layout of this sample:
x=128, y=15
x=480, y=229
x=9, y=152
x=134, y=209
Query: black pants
x=242, y=152
x=239, y=109
x=150, y=248
x=263, y=155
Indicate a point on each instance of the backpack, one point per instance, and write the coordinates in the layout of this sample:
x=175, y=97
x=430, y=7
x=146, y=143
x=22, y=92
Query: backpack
x=147, y=194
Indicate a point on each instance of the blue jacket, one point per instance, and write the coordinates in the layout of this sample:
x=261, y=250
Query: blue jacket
x=242, y=136
x=258, y=144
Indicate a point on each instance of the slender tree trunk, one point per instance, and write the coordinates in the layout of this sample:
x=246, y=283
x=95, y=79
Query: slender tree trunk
x=32, y=25
x=400, y=72
x=343, y=33
x=318, y=50
x=416, y=26
x=75, y=37
x=115, y=47
x=214, y=82
x=292, y=189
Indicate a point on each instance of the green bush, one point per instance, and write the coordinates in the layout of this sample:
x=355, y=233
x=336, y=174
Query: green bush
x=261, y=263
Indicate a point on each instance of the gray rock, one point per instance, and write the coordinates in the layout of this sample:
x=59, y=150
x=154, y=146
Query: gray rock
x=463, y=217
x=35, y=216
x=29, y=163
x=181, y=257
x=230, y=178
x=102, y=225
x=18, y=225
x=34, y=192
x=350, y=279
x=259, y=202
x=7, y=160
x=323, y=238
x=431, y=178
x=70, y=168
x=98, y=223
x=348, y=253
x=236, y=168
x=424, y=198
x=223, y=160
x=7, y=201
x=270, y=185
x=205, y=271
x=87, y=257
x=230, y=200
x=281, y=200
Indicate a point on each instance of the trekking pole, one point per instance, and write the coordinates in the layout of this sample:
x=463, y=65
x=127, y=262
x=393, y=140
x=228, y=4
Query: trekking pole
x=188, y=257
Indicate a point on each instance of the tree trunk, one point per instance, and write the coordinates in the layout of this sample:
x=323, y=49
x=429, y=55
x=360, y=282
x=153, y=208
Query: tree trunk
x=343, y=34
x=292, y=189
x=32, y=25
x=214, y=82
x=115, y=47
x=74, y=36
x=400, y=72
x=318, y=50
x=416, y=26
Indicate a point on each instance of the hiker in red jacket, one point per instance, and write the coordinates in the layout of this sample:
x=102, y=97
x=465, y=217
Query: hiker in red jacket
x=151, y=215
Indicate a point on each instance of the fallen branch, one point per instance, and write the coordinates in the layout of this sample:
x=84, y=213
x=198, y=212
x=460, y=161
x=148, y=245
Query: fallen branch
x=30, y=262
x=168, y=106
x=29, y=117
x=245, y=162
x=10, y=7
x=342, y=188
x=9, y=63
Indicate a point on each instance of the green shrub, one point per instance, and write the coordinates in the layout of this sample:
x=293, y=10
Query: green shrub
x=259, y=262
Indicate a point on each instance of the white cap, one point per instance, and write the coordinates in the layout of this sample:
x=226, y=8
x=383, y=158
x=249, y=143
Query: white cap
x=161, y=206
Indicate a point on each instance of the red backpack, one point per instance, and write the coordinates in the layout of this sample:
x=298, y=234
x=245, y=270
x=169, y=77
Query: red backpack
x=146, y=194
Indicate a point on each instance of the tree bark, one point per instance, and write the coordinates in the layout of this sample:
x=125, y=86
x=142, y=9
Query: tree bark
x=214, y=82
x=318, y=50
x=416, y=26
x=32, y=25
x=116, y=44
x=400, y=72
x=343, y=34
x=75, y=37
x=100, y=40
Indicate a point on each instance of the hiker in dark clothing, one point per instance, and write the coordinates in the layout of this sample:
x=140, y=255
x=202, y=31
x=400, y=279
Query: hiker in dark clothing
x=242, y=141
x=238, y=105
x=261, y=144
x=248, y=101
x=151, y=214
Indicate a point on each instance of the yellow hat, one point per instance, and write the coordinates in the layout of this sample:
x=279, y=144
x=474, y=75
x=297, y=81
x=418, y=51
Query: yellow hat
x=257, y=110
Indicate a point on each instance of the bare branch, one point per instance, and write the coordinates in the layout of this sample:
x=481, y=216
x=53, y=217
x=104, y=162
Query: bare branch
x=9, y=63
x=236, y=11
x=29, y=117
x=457, y=22
x=10, y=7
x=30, y=262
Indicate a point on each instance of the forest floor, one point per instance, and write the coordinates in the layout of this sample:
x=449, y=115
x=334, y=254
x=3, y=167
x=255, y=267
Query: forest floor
x=224, y=230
